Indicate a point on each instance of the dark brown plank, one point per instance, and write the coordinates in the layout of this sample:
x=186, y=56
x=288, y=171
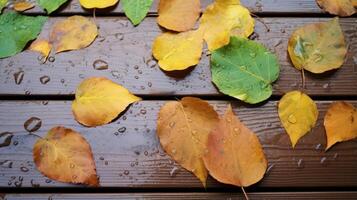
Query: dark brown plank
x=259, y=7
x=127, y=152
x=127, y=50
x=179, y=196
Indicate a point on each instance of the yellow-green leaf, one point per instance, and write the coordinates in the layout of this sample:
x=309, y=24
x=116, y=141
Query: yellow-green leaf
x=89, y=4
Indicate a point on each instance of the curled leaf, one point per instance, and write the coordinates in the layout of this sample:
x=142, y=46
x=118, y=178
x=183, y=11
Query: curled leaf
x=178, y=15
x=298, y=113
x=23, y=5
x=41, y=46
x=136, y=10
x=89, y=4
x=99, y=101
x=75, y=32
x=341, y=8
x=222, y=19
x=245, y=70
x=64, y=155
x=318, y=47
x=183, y=128
x=340, y=123
x=235, y=155
x=178, y=51
x=51, y=5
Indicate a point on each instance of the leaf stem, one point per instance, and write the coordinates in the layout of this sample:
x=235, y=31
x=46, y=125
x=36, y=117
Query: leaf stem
x=303, y=78
x=94, y=18
x=245, y=194
x=261, y=21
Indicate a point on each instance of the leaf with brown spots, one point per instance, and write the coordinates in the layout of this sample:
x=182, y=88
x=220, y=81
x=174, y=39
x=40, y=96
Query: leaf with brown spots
x=343, y=8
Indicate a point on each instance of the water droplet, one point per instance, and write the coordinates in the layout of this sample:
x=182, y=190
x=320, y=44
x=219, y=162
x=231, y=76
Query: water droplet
x=252, y=54
x=146, y=153
x=51, y=59
x=101, y=158
x=33, y=184
x=6, y=164
x=74, y=177
x=149, y=84
x=122, y=130
x=335, y=156
x=317, y=147
x=300, y=163
x=318, y=58
x=323, y=159
x=115, y=74
x=292, y=119
x=100, y=65
x=126, y=172
x=151, y=63
x=243, y=67
x=33, y=124
x=45, y=79
x=136, y=77
x=174, y=171
x=106, y=162
x=48, y=181
x=24, y=169
x=236, y=130
x=18, y=183
x=172, y=124
x=173, y=151
x=194, y=132
x=326, y=85
x=19, y=76
x=119, y=36
x=71, y=165
x=5, y=139
x=142, y=111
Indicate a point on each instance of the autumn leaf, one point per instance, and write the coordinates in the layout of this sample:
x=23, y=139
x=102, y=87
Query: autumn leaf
x=318, y=47
x=340, y=123
x=178, y=15
x=42, y=46
x=245, y=70
x=89, y=4
x=222, y=19
x=2, y=4
x=75, y=32
x=136, y=10
x=65, y=156
x=178, y=51
x=183, y=128
x=16, y=31
x=23, y=5
x=235, y=155
x=51, y=5
x=341, y=8
x=99, y=101
x=298, y=113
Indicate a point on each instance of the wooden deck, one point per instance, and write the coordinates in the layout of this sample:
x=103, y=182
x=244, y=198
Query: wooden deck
x=130, y=162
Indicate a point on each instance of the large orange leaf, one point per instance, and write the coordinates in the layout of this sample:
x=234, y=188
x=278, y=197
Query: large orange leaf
x=235, y=155
x=64, y=155
x=342, y=8
x=100, y=100
x=340, y=123
x=178, y=15
x=183, y=128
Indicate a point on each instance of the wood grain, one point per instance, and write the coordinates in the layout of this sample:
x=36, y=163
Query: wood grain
x=179, y=196
x=127, y=50
x=128, y=155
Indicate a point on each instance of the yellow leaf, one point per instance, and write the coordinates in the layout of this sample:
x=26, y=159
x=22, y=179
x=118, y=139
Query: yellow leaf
x=64, y=155
x=341, y=8
x=42, y=46
x=222, y=19
x=178, y=15
x=340, y=123
x=75, y=32
x=183, y=128
x=89, y=4
x=99, y=101
x=235, y=155
x=318, y=47
x=178, y=51
x=23, y=5
x=298, y=114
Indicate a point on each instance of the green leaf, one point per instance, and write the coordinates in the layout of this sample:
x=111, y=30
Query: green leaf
x=16, y=31
x=136, y=10
x=2, y=4
x=244, y=69
x=50, y=5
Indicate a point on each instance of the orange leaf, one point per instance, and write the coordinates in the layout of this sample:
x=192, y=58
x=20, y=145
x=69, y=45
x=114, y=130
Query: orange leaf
x=183, y=128
x=23, y=5
x=341, y=8
x=235, y=155
x=42, y=46
x=64, y=155
x=340, y=123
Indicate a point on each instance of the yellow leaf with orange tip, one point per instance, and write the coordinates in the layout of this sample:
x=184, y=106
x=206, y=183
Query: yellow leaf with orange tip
x=42, y=46
x=23, y=5
x=75, y=32
x=89, y=4
x=235, y=155
x=222, y=19
x=298, y=113
x=340, y=123
x=341, y=8
x=178, y=15
x=183, y=128
x=99, y=101
x=64, y=155
x=178, y=51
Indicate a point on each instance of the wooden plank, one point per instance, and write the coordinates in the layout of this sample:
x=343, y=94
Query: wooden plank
x=179, y=196
x=259, y=7
x=127, y=50
x=127, y=152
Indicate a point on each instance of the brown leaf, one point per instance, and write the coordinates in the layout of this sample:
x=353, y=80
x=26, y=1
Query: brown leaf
x=341, y=8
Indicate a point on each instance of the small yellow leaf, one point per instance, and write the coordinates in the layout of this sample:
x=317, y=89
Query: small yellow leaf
x=23, y=5
x=178, y=51
x=99, y=101
x=89, y=4
x=341, y=8
x=75, y=32
x=64, y=155
x=340, y=123
x=178, y=15
x=298, y=114
x=222, y=19
x=42, y=46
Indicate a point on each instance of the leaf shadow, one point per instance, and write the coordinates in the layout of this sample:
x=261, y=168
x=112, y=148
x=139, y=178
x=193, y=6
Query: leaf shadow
x=179, y=74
